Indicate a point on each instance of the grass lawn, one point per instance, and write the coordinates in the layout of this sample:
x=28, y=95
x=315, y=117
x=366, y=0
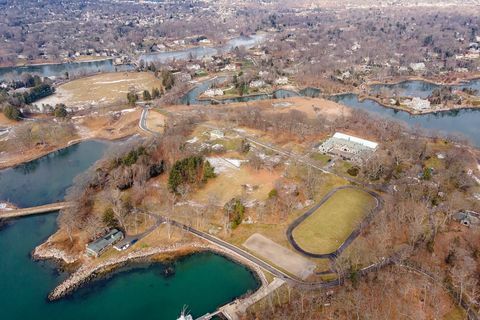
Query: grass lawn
x=328, y=227
x=320, y=157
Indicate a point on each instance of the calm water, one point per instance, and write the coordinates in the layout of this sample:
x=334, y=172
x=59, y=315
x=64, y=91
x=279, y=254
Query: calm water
x=464, y=122
x=192, y=96
x=417, y=88
x=58, y=70
x=46, y=179
x=202, y=52
x=203, y=281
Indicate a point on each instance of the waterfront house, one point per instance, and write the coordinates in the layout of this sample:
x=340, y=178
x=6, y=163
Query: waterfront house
x=257, y=84
x=99, y=246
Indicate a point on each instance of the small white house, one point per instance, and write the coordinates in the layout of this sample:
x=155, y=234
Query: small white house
x=193, y=67
x=420, y=66
x=281, y=81
x=213, y=92
x=257, y=84
x=230, y=67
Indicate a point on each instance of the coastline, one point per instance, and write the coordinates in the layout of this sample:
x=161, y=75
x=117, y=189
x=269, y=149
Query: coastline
x=56, y=63
x=362, y=98
x=418, y=78
x=90, y=271
x=43, y=153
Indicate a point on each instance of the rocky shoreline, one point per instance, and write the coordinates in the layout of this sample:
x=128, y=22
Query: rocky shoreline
x=91, y=271
x=47, y=251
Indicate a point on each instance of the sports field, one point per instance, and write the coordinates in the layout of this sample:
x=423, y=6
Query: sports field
x=330, y=225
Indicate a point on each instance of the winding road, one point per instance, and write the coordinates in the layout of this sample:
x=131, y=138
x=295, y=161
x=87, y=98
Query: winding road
x=271, y=269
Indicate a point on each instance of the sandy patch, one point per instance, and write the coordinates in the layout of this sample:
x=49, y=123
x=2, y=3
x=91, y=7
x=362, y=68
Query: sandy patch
x=231, y=183
x=280, y=256
x=156, y=121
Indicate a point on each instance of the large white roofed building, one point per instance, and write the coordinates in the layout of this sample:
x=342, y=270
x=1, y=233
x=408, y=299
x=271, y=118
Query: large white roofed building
x=349, y=147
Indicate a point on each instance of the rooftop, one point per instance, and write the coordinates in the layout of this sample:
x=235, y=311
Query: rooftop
x=110, y=238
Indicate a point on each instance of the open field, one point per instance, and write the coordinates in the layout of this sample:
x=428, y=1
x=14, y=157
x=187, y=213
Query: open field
x=311, y=106
x=230, y=182
x=101, y=89
x=281, y=256
x=156, y=121
x=330, y=225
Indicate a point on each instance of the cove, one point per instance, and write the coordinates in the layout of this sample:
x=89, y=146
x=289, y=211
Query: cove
x=203, y=281
x=46, y=179
x=465, y=122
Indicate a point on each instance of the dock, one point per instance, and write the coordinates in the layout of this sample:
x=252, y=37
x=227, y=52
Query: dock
x=23, y=212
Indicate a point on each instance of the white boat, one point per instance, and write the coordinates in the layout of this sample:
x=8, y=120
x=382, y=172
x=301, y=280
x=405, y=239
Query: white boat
x=184, y=315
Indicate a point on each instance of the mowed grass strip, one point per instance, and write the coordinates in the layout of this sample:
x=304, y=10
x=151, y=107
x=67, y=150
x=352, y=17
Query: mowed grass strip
x=330, y=225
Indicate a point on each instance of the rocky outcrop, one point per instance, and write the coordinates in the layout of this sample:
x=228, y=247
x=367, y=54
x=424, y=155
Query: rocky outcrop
x=47, y=250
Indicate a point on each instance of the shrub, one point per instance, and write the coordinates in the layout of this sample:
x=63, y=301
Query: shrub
x=146, y=95
x=353, y=171
x=132, y=98
x=236, y=211
x=273, y=194
x=60, y=111
x=109, y=218
x=11, y=112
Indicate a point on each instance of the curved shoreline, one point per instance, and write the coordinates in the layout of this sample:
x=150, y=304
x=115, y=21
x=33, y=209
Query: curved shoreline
x=59, y=148
x=56, y=63
x=87, y=272
x=430, y=81
x=409, y=111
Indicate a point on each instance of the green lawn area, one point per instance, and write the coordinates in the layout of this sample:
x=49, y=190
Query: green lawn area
x=320, y=157
x=327, y=228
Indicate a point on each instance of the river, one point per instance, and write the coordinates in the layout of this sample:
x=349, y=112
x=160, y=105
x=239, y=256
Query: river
x=202, y=51
x=202, y=281
x=91, y=67
x=465, y=122
x=419, y=88
x=59, y=69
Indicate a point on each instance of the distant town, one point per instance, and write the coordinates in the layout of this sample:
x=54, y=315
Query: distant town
x=250, y=159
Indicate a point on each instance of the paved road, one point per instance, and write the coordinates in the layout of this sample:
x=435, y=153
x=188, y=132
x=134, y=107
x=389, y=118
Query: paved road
x=355, y=233
x=271, y=269
x=34, y=210
x=142, y=123
x=129, y=239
